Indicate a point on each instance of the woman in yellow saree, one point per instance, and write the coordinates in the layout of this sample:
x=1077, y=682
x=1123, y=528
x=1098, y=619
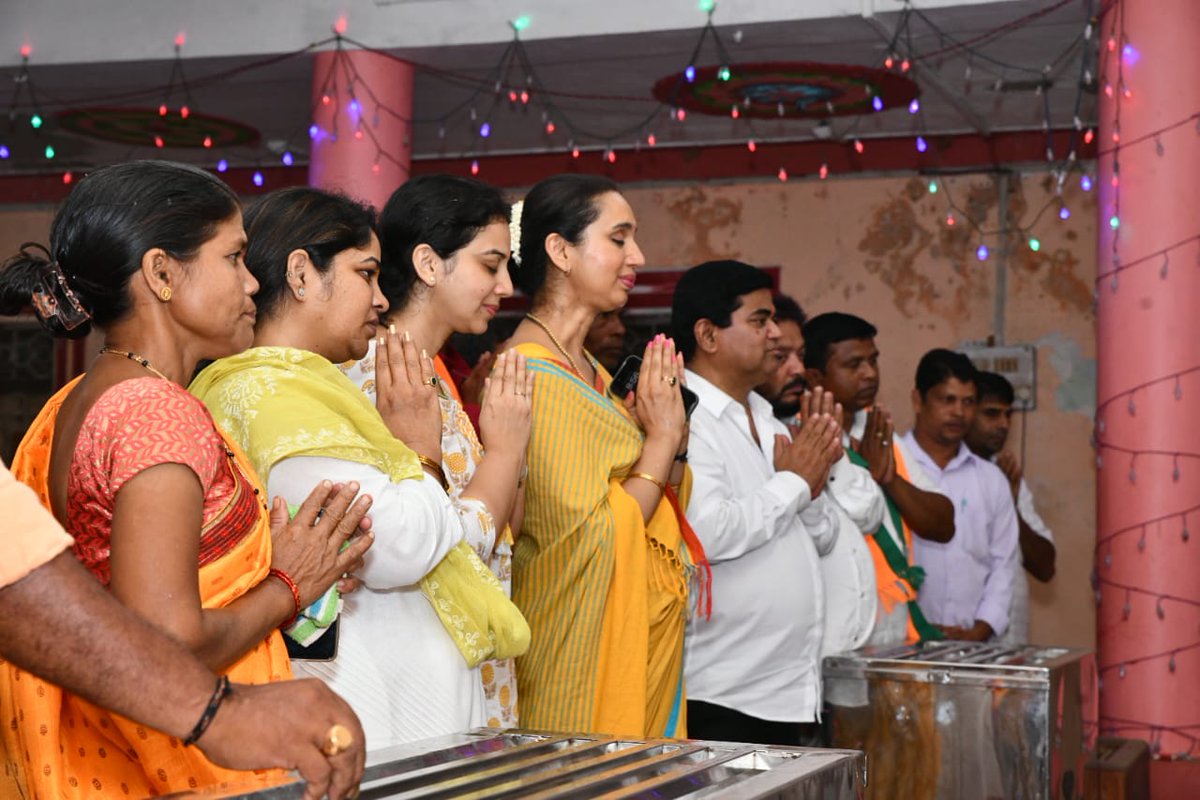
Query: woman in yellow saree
x=164, y=510
x=601, y=567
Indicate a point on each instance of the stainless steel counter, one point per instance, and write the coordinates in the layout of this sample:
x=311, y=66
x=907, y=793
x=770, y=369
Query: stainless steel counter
x=506, y=764
x=955, y=720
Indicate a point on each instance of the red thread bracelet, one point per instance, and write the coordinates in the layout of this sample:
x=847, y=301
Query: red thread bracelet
x=294, y=589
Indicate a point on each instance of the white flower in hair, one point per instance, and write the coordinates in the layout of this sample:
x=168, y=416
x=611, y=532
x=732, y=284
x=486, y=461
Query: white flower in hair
x=514, y=231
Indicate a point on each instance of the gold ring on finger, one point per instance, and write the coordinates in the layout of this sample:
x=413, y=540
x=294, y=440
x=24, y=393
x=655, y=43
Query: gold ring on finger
x=431, y=381
x=337, y=740
x=672, y=380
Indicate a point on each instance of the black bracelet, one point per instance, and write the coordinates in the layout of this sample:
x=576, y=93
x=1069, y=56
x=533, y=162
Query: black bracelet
x=681, y=457
x=222, y=691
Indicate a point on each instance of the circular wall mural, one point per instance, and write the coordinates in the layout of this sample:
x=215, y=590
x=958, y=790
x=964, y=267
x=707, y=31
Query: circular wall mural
x=147, y=127
x=786, y=89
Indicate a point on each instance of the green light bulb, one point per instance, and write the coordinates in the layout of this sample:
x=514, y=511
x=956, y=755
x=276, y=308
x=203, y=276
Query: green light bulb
x=36, y=121
x=1035, y=245
x=49, y=151
x=724, y=74
x=1114, y=222
x=520, y=23
x=933, y=187
x=707, y=6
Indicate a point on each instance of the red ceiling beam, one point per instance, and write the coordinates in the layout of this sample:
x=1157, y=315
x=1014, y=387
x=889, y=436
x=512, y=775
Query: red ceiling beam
x=718, y=162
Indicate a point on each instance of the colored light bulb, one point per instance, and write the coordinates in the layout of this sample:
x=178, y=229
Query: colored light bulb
x=858, y=146
x=550, y=127
x=922, y=145
x=67, y=177
x=257, y=178
x=723, y=73
x=750, y=145
x=222, y=165
x=1035, y=245
x=1085, y=183
x=651, y=140
x=823, y=172
x=184, y=112
x=49, y=151
x=287, y=158
x=981, y=252
x=933, y=187
x=1114, y=222
x=782, y=175
x=1064, y=213
x=36, y=121
x=4, y=151
x=313, y=131
x=690, y=73
x=914, y=106
x=208, y=141
x=485, y=130
x=474, y=167
x=877, y=103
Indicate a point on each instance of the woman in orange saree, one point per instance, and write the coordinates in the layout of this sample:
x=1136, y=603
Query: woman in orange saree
x=164, y=510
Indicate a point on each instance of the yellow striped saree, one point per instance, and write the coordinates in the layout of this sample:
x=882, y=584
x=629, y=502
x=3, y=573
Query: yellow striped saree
x=605, y=594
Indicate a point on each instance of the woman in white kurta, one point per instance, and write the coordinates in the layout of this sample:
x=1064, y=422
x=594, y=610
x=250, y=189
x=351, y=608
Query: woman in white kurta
x=445, y=252
x=412, y=642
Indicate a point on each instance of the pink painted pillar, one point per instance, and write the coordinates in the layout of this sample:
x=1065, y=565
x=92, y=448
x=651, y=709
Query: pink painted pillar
x=1148, y=338
x=363, y=138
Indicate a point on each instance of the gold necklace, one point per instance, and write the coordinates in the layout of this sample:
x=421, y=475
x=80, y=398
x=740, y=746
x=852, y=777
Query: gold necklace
x=134, y=357
x=557, y=343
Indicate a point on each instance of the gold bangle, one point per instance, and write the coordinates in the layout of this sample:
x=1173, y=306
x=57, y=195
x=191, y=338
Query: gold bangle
x=662, y=487
x=436, y=469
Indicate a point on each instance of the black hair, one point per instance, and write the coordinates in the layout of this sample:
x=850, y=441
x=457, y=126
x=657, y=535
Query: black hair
x=713, y=291
x=940, y=365
x=111, y=219
x=825, y=330
x=788, y=310
x=443, y=211
x=993, y=386
x=562, y=204
x=320, y=223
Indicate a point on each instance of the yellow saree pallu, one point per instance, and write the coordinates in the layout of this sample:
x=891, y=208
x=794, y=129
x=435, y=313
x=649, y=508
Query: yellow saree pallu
x=61, y=746
x=606, y=594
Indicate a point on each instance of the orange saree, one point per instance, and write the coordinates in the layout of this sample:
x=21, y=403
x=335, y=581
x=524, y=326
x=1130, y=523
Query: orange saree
x=60, y=746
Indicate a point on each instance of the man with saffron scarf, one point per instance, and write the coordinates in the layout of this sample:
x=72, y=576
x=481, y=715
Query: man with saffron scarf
x=840, y=356
x=752, y=670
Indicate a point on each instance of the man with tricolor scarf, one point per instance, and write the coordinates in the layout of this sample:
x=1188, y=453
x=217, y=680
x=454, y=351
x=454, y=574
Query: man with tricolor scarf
x=840, y=356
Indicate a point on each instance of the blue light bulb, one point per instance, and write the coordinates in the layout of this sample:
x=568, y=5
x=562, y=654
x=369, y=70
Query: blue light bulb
x=257, y=178
x=877, y=103
x=922, y=145
x=222, y=165
x=690, y=73
x=982, y=252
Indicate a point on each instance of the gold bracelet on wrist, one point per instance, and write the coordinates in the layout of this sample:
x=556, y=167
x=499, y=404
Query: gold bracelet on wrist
x=435, y=469
x=662, y=487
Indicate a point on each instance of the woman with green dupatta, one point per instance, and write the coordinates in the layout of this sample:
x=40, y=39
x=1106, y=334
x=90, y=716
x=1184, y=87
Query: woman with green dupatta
x=430, y=612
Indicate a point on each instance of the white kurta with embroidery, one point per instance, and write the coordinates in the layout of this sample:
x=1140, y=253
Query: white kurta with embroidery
x=461, y=454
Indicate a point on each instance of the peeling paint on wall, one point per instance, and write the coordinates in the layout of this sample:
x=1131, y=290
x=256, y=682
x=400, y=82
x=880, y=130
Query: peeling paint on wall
x=1076, y=374
x=703, y=215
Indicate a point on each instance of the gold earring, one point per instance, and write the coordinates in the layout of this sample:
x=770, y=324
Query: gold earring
x=165, y=294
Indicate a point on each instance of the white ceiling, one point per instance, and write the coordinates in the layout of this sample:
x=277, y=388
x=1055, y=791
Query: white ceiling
x=623, y=65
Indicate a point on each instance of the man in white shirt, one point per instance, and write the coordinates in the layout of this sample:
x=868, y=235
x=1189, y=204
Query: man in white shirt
x=847, y=571
x=986, y=438
x=752, y=669
x=968, y=580
x=840, y=356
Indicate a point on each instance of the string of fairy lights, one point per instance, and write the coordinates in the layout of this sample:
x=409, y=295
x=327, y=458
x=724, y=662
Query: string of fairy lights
x=516, y=84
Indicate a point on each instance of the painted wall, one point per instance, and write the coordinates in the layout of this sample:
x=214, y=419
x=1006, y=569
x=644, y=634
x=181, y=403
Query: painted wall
x=879, y=247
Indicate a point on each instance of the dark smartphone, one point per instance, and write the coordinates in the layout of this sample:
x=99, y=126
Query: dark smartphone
x=626, y=380
x=323, y=649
